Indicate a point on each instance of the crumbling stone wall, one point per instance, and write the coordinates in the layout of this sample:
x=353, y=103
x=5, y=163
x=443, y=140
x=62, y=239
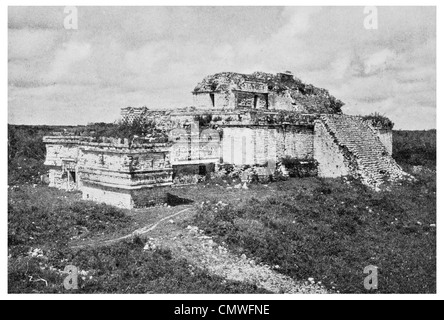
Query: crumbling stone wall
x=238, y=145
x=298, y=142
x=251, y=100
x=264, y=145
x=202, y=100
x=223, y=100
x=63, y=179
x=62, y=156
x=280, y=101
x=195, y=147
x=125, y=198
x=257, y=145
x=386, y=137
x=331, y=161
x=64, y=149
x=214, y=100
x=116, y=197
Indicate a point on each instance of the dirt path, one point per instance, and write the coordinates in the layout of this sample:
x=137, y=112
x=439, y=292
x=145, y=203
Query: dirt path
x=138, y=232
x=203, y=252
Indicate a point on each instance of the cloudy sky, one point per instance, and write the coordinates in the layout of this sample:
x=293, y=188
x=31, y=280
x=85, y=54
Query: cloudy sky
x=154, y=56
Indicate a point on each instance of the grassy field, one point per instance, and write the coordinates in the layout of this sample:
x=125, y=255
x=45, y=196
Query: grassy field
x=43, y=221
x=330, y=230
x=326, y=229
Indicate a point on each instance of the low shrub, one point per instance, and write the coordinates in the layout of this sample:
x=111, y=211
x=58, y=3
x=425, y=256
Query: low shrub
x=298, y=168
x=379, y=120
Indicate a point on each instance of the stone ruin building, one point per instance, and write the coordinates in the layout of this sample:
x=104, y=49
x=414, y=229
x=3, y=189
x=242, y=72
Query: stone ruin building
x=251, y=120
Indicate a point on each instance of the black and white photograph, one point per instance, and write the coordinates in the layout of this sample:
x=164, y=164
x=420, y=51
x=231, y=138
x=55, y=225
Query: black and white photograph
x=209, y=150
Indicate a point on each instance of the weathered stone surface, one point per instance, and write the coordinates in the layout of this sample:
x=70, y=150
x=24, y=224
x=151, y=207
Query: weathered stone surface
x=118, y=198
x=229, y=90
x=348, y=145
x=106, y=170
x=386, y=137
x=260, y=144
x=255, y=120
x=327, y=152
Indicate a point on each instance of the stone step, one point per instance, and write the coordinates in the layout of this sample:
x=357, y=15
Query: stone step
x=360, y=140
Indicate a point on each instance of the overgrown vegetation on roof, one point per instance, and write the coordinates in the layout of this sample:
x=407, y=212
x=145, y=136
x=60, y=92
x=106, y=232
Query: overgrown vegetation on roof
x=379, y=120
x=119, y=129
x=303, y=94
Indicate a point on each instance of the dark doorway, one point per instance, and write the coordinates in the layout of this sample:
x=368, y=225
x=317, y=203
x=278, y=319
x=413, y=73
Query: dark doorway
x=73, y=176
x=212, y=98
x=202, y=170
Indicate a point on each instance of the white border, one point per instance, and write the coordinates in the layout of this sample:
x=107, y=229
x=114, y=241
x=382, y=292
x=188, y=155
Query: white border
x=3, y=160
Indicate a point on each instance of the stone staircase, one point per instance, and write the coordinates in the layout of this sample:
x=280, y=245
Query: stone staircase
x=367, y=156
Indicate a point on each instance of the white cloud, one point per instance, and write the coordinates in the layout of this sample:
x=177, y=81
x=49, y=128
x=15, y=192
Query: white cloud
x=155, y=56
x=378, y=61
x=298, y=21
x=66, y=57
x=31, y=44
x=340, y=66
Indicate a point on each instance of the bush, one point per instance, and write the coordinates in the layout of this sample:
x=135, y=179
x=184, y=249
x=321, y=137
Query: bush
x=123, y=130
x=378, y=120
x=203, y=120
x=300, y=168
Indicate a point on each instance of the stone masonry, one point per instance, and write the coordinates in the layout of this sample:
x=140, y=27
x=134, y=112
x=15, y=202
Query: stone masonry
x=108, y=170
x=357, y=151
x=256, y=120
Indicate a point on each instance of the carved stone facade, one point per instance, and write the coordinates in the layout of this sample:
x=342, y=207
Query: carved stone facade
x=262, y=91
x=256, y=119
x=109, y=170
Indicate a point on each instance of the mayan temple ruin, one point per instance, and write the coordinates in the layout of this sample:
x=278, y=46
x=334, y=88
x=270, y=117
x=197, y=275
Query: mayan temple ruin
x=249, y=121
